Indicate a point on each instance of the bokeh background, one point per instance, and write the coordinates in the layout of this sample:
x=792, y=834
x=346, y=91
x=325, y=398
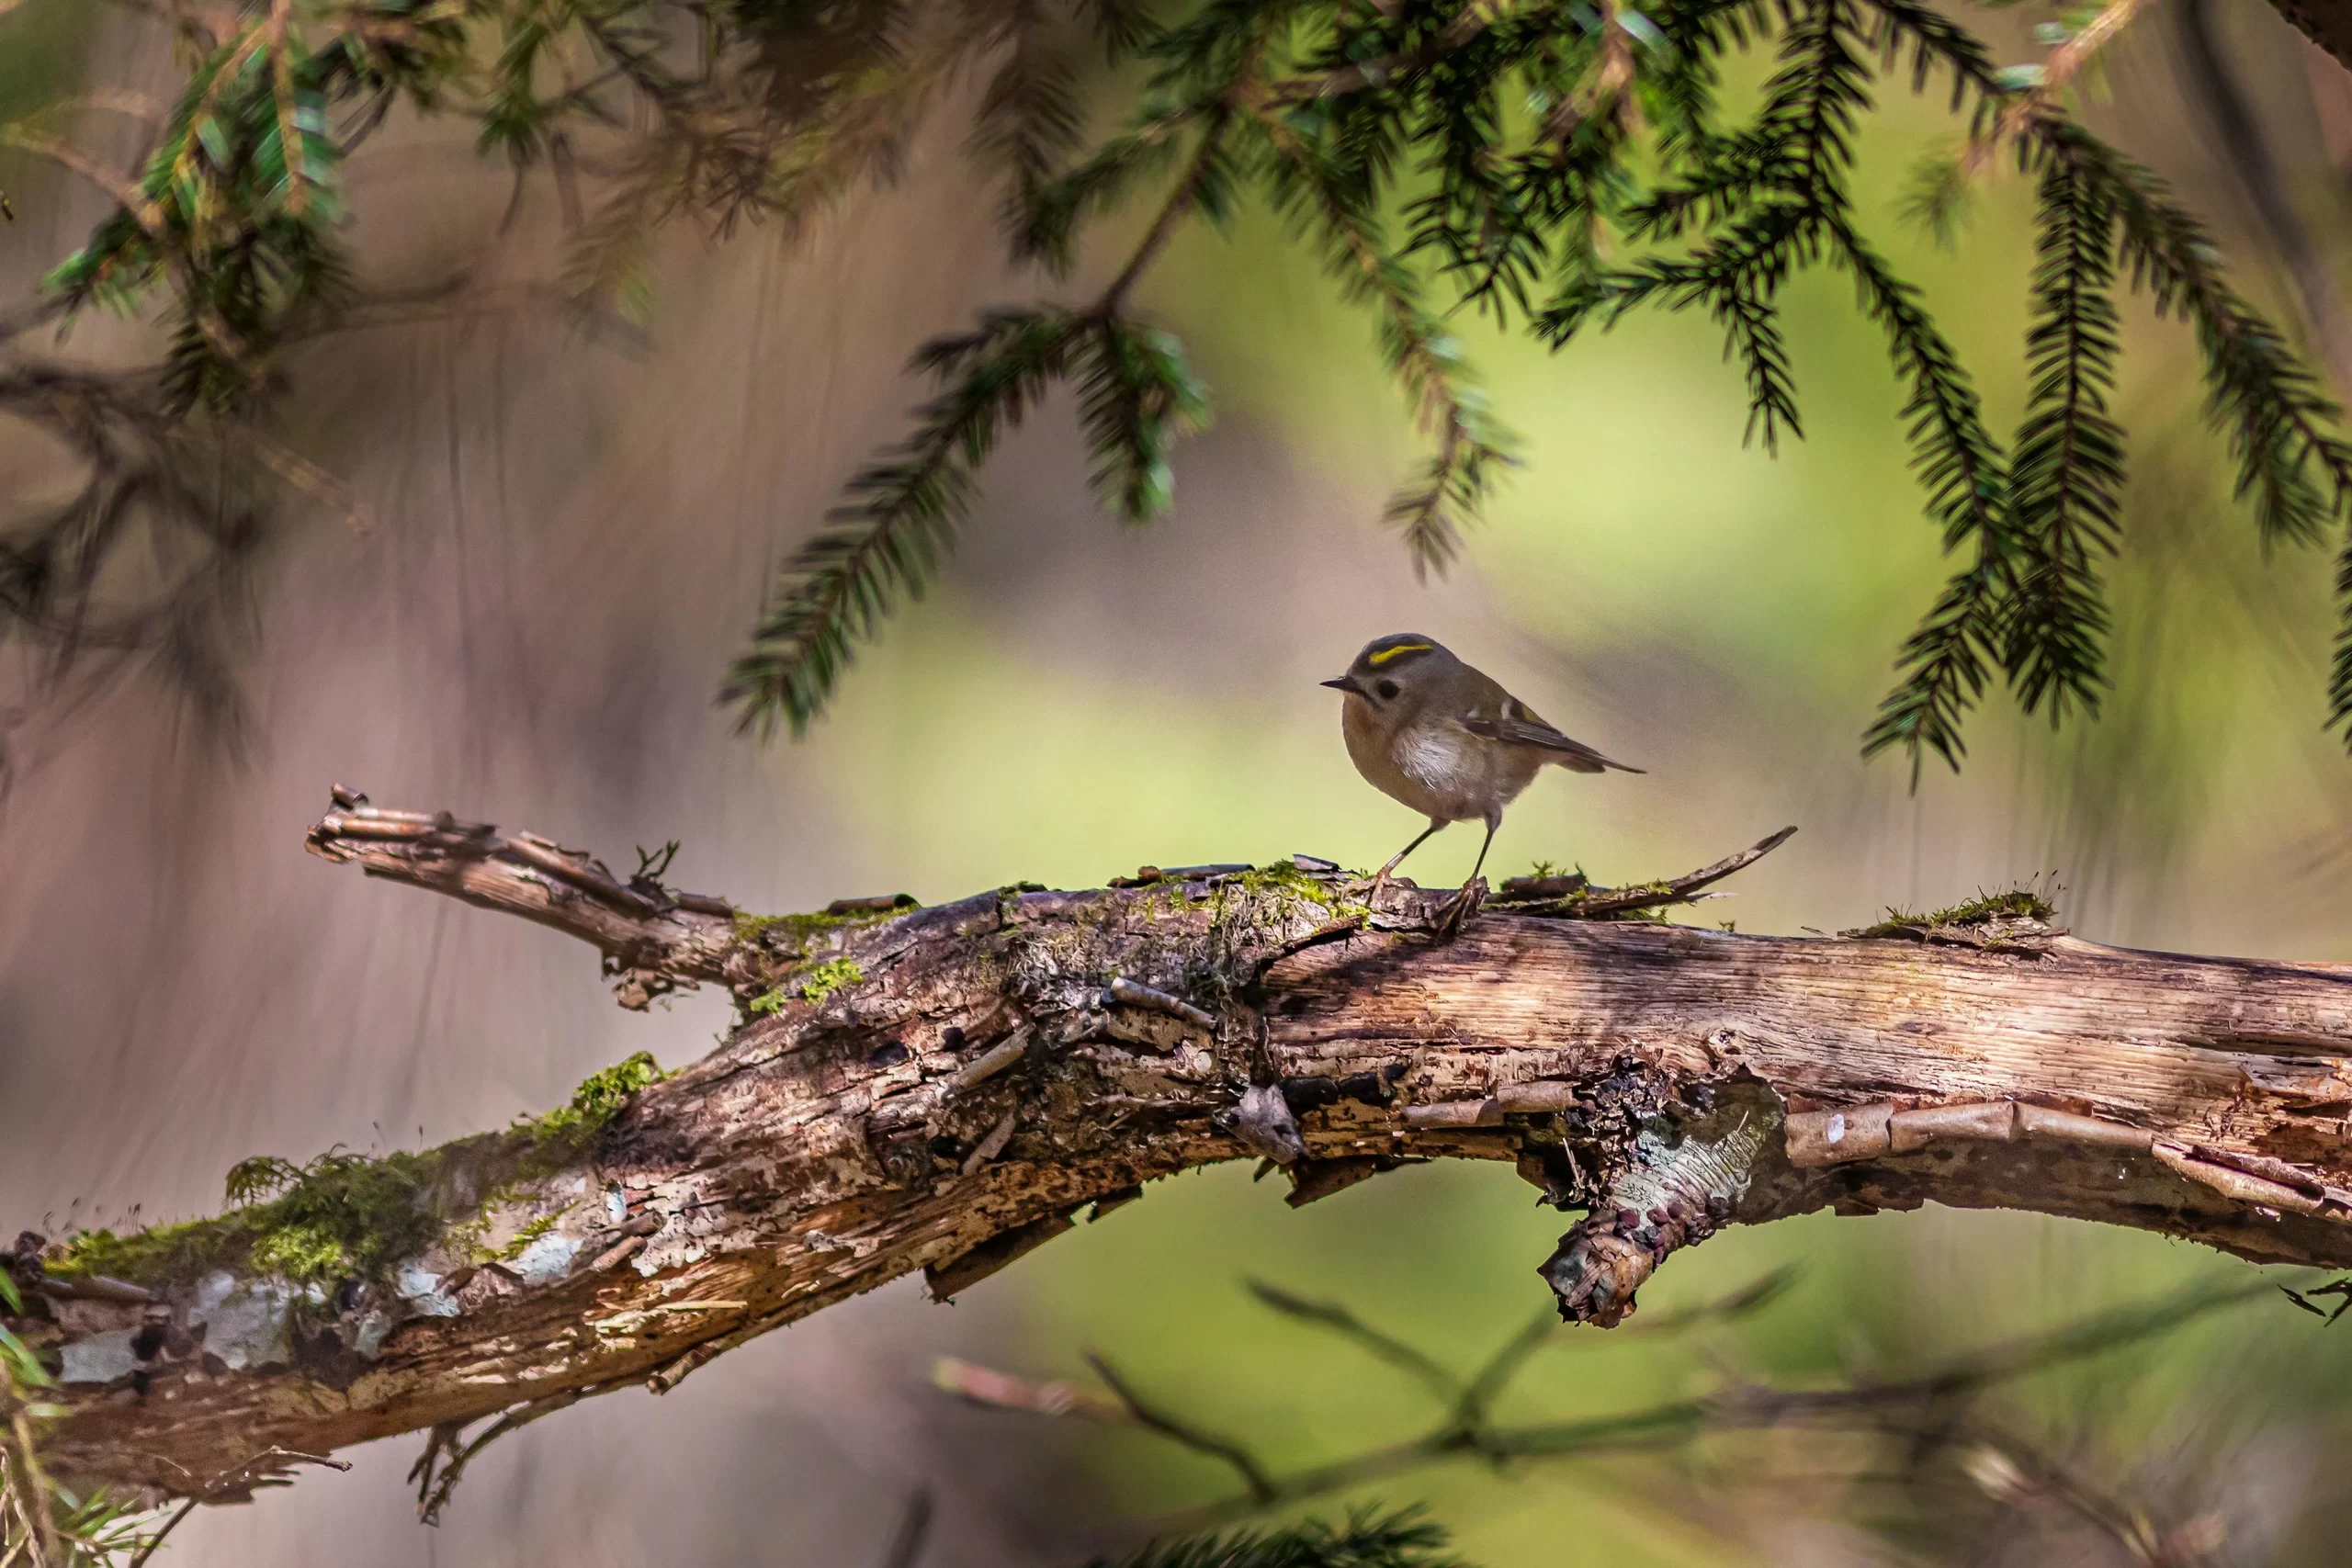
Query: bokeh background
x=573, y=532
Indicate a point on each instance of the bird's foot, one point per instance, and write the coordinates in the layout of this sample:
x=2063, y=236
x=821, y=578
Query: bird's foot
x=1460, y=907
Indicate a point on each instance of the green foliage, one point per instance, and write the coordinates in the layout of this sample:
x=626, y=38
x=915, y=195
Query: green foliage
x=2009, y=904
x=522, y=1239
x=2066, y=467
x=1340, y=116
x=345, y=1216
x=339, y=1216
x=888, y=542
x=1553, y=168
x=1370, y=1538
x=828, y=978
x=237, y=204
x=599, y=1099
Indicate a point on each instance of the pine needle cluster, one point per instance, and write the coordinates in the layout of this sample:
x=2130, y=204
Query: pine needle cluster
x=1489, y=156
x=1554, y=165
x=1369, y=1538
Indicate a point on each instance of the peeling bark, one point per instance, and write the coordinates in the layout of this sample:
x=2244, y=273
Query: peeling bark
x=947, y=1088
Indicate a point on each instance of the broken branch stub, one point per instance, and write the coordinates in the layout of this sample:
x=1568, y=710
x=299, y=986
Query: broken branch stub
x=940, y=1090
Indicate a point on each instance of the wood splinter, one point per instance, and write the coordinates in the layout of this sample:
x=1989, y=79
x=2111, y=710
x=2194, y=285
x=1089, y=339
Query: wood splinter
x=2245, y=1186
x=1865, y=1131
x=990, y=1063
x=1455, y=1113
x=1123, y=992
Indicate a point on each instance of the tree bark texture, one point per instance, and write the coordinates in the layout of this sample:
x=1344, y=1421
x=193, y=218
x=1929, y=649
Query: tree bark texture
x=947, y=1088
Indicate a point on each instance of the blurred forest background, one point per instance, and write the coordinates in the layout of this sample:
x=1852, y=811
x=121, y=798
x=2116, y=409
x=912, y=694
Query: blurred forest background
x=571, y=535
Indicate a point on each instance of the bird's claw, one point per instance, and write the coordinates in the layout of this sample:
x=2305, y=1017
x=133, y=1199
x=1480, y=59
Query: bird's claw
x=1460, y=907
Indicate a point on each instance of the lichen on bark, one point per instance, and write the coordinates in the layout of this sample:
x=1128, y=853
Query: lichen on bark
x=997, y=1066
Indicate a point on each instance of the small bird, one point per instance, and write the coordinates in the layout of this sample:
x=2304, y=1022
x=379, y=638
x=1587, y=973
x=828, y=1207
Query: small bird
x=1427, y=729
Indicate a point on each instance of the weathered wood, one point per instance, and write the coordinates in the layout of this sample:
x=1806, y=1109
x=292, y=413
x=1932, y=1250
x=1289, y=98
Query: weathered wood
x=866, y=1120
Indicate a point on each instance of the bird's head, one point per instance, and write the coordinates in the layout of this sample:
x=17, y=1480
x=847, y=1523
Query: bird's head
x=1391, y=667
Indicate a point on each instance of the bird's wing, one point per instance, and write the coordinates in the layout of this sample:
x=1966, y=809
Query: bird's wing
x=1517, y=726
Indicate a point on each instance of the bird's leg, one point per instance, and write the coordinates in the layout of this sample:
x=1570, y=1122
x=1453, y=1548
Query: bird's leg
x=1380, y=880
x=1449, y=924
x=1494, y=820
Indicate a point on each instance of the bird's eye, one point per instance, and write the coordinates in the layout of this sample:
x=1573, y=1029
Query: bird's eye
x=1388, y=690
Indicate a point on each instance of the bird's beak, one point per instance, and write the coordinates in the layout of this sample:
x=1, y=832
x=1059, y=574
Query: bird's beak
x=1345, y=683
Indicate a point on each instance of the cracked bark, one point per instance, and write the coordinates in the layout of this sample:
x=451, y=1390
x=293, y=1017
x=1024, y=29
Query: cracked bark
x=947, y=1088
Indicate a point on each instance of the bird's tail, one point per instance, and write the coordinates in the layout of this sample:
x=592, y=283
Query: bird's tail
x=1586, y=760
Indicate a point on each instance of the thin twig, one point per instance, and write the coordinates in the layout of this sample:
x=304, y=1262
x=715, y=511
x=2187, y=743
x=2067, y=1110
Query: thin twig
x=431, y=1502
x=312, y=480
x=1172, y=213
x=1262, y=1490
x=290, y=136
x=139, y=1559
x=1913, y=1407
x=1465, y=28
x=2256, y=172
x=1531, y=896
x=239, y=1478
x=1384, y=1346
x=65, y=155
x=2058, y=72
x=1487, y=1383
x=1244, y=90
x=1603, y=90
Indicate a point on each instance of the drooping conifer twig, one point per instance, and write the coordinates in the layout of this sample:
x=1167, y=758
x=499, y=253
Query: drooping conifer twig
x=1370, y=1538
x=1136, y=396
x=887, y=542
x=2260, y=399
x=232, y=224
x=1964, y=475
x=1422, y=355
x=2066, y=473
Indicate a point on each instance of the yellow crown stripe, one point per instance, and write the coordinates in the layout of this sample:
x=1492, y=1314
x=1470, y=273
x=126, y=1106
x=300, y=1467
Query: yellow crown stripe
x=1385, y=654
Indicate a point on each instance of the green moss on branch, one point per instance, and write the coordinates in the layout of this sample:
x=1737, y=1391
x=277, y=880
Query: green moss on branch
x=344, y=1216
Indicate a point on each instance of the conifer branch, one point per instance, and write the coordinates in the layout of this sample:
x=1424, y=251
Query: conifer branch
x=2259, y=397
x=1515, y=145
x=1468, y=24
x=1041, y=223
x=1420, y=354
x=1135, y=397
x=1204, y=180
x=1369, y=1540
x=2066, y=472
x=1736, y=276
x=2339, y=683
x=1029, y=115
x=1961, y=469
x=886, y=543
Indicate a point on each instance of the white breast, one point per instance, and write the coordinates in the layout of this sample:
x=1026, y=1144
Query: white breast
x=1439, y=758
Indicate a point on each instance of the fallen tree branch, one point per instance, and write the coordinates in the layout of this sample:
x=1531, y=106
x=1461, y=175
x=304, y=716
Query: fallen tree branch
x=944, y=1089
